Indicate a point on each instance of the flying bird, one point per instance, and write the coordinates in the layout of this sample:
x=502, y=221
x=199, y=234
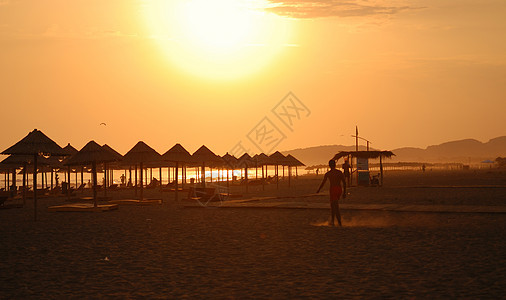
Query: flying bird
x=103, y=124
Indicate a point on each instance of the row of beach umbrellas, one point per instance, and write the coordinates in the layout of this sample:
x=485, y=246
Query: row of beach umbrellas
x=39, y=151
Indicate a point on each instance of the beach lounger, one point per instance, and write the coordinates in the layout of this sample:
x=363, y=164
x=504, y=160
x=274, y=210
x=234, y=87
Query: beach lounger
x=3, y=197
x=204, y=194
x=81, y=187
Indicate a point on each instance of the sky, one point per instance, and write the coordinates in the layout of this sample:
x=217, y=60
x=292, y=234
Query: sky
x=252, y=75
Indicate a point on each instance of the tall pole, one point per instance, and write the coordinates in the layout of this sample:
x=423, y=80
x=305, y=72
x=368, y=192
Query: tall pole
x=94, y=179
x=35, y=186
x=135, y=185
x=142, y=184
x=356, y=148
x=160, y=173
x=356, y=138
x=106, y=179
x=381, y=171
x=24, y=183
x=176, y=180
x=203, y=175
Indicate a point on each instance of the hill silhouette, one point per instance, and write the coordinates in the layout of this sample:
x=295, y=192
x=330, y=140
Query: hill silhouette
x=460, y=151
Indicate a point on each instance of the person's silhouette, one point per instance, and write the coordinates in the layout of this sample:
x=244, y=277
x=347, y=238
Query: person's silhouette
x=337, y=188
x=346, y=169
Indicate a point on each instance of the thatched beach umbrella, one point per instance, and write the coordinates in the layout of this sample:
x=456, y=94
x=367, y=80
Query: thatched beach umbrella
x=277, y=159
x=292, y=162
x=263, y=161
x=36, y=144
x=205, y=156
x=366, y=154
x=230, y=163
x=118, y=158
x=179, y=155
x=142, y=154
x=245, y=162
x=14, y=162
x=70, y=151
x=92, y=153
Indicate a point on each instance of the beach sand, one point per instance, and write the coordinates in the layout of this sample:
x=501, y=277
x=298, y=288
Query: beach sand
x=166, y=251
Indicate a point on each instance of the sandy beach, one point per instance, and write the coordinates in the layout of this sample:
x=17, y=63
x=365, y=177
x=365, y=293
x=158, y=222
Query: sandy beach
x=167, y=251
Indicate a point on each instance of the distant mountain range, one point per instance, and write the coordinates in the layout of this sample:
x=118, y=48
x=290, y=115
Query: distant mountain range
x=462, y=151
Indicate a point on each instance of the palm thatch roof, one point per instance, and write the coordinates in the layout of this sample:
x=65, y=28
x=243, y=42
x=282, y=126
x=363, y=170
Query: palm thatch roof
x=230, y=161
x=90, y=153
x=277, y=159
x=70, y=149
x=177, y=154
x=293, y=162
x=142, y=153
x=363, y=154
x=262, y=159
x=245, y=161
x=118, y=156
x=36, y=142
x=204, y=155
x=16, y=161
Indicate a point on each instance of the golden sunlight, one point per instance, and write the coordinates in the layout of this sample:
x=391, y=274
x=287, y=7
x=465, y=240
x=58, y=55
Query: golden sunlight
x=222, y=39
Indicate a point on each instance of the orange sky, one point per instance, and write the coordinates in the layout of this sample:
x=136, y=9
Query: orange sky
x=408, y=73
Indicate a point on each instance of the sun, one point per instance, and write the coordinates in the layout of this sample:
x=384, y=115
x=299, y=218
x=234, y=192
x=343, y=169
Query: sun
x=218, y=39
x=221, y=26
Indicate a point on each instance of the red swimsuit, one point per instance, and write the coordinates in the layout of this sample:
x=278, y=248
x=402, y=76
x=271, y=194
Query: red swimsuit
x=335, y=192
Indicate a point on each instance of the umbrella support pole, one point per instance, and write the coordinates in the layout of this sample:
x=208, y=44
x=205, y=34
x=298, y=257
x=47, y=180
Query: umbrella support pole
x=35, y=187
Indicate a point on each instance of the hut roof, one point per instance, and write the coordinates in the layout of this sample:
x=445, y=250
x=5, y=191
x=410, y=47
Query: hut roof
x=293, y=162
x=177, y=154
x=34, y=143
x=363, y=154
x=142, y=153
x=91, y=152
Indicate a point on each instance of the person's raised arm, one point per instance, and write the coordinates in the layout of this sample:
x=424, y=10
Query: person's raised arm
x=323, y=182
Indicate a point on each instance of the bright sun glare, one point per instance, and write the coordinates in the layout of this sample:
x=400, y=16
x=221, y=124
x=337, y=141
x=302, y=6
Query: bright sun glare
x=217, y=26
x=219, y=39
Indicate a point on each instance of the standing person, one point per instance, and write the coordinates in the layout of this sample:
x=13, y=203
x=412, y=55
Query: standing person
x=346, y=169
x=337, y=188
